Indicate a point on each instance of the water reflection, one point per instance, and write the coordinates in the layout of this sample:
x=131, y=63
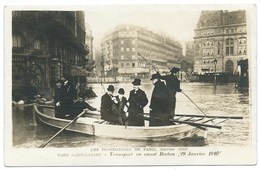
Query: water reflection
x=224, y=100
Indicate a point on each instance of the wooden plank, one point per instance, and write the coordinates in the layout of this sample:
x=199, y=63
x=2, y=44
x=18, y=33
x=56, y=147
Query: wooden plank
x=220, y=117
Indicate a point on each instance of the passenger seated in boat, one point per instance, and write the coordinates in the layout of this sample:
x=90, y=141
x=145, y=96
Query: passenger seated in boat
x=160, y=103
x=108, y=110
x=79, y=105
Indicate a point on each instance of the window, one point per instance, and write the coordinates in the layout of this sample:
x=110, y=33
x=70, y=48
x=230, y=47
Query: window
x=122, y=57
x=133, y=49
x=134, y=57
x=133, y=64
x=36, y=44
x=122, y=64
x=122, y=41
x=17, y=41
x=127, y=64
x=133, y=42
x=127, y=49
x=229, y=46
x=122, y=49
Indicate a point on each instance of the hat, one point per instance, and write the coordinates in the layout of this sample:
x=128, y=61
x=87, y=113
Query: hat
x=175, y=70
x=136, y=82
x=155, y=76
x=121, y=91
x=110, y=88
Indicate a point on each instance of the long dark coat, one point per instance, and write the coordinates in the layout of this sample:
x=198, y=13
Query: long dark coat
x=66, y=99
x=160, y=105
x=173, y=84
x=137, y=101
x=106, y=109
x=121, y=105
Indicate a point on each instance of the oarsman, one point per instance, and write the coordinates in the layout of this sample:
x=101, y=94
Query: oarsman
x=80, y=105
x=107, y=106
x=173, y=84
x=160, y=103
x=137, y=101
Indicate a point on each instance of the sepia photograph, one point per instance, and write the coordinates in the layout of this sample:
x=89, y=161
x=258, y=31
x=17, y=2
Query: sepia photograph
x=99, y=85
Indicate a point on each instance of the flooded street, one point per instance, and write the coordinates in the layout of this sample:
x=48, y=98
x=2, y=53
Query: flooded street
x=222, y=101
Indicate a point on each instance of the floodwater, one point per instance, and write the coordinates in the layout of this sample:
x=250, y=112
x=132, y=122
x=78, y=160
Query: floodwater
x=224, y=101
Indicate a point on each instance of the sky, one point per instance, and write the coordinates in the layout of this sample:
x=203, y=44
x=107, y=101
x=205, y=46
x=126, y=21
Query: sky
x=177, y=21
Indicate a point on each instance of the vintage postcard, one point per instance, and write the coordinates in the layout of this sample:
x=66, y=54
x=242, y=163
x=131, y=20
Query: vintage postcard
x=130, y=85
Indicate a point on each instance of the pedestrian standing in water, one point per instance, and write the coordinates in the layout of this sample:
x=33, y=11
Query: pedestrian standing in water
x=173, y=84
x=160, y=103
x=137, y=101
x=121, y=104
x=108, y=102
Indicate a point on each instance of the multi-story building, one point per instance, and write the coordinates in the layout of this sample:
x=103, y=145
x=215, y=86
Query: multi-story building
x=220, y=35
x=46, y=46
x=132, y=50
x=188, y=58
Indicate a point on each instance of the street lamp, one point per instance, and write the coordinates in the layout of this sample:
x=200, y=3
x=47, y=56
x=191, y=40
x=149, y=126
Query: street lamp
x=215, y=75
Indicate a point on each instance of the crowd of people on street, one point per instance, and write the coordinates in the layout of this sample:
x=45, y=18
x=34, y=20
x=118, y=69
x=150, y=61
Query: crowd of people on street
x=117, y=109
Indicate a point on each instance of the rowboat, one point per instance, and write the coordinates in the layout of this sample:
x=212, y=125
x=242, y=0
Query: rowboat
x=184, y=127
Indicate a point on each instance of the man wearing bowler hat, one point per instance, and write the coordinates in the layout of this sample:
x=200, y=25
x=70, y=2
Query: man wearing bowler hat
x=107, y=102
x=173, y=84
x=160, y=103
x=137, y=101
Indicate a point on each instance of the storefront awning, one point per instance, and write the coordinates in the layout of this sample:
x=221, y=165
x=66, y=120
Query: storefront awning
x=78, y=71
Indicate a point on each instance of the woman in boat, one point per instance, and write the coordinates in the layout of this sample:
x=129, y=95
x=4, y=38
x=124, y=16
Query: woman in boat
x=160, y=103
x=121, y=105
x=173, y=84
x=108, y=107
x=137, y=101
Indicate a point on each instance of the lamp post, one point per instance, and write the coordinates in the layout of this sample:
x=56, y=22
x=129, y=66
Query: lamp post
x=215, y=75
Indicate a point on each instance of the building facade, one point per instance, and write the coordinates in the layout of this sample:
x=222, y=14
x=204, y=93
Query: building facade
x=220, y=35
x=47, y=45
x=135, y=51
x=188, y=58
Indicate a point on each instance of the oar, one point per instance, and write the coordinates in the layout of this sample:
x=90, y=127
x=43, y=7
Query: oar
x=147, y=61
x=196, y=105
x=197, y=124
x=43, y=145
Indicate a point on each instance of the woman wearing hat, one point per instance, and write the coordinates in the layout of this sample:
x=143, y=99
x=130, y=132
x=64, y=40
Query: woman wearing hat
x=121, y=104
x=137, y=101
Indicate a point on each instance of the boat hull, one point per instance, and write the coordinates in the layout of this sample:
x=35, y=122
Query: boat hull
x=96, y=127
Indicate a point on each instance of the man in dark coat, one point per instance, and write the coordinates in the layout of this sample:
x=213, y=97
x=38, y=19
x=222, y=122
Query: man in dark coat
x=173, y=84
x=57, y=99
x=67, y=95
x=137, y=101
x=79, y=106
x=160, y=103
x=107, y=106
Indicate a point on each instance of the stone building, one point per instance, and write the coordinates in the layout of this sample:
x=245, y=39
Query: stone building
x=188, y=58
x=47, y=45
x=134, y=51
x=220, y=35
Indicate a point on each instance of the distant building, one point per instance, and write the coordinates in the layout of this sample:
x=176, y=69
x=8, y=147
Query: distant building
x=46, y=46
x=220, y=35
x=121, y=49
x=188, y=58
